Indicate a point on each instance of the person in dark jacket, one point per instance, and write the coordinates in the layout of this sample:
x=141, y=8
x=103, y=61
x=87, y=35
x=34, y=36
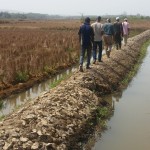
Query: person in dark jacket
x=118, y=33
x=86, y=37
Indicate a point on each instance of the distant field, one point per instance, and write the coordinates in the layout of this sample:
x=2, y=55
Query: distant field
x=29, y=48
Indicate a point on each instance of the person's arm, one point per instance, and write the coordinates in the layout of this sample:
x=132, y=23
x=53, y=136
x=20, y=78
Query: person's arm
x=121, y=29
x=112, y=30
x=92, y=35
x=102, y=29
x=128, y=29
x=79, y=33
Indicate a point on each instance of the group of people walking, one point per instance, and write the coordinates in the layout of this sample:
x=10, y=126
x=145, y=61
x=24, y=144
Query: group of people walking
x=93, y=35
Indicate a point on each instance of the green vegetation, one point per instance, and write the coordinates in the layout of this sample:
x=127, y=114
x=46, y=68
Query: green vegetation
x=2, y=117
x=57, y=82
x=133, y=72
x=22, y=16
x=21, y=76
x=1, y=104
x=102, y=113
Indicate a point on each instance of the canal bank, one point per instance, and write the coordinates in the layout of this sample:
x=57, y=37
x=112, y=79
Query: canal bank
x=57, y=118
x=129, y=128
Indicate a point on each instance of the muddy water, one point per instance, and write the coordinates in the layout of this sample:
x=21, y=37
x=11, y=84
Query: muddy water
x=129, y=128
x=13, y=102
x=17, y=100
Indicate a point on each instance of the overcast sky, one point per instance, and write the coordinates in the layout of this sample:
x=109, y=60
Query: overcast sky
x=78, y=7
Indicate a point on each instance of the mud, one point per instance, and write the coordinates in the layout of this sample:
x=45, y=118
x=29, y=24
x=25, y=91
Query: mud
x=57, y=119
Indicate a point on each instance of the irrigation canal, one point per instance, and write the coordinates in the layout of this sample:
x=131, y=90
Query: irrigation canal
x=129, y=127
x=14, y=101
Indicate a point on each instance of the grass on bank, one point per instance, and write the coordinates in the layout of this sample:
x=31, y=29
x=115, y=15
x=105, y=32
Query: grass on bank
x=2, y=117
x=104, y=113
x=133, y=72
x=1, y=104
x=57, y=82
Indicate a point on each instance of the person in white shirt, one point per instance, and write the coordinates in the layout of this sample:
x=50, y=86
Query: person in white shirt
x=126, y=30
x=97, y=28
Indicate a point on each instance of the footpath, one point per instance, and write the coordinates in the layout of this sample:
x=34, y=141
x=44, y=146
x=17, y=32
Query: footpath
x=58, y=118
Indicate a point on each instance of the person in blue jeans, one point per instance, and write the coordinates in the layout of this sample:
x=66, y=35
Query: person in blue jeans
x=98, y=31
x=86, y=37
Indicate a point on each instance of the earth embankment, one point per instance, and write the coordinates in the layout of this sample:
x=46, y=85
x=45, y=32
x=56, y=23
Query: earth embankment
x=56, y=117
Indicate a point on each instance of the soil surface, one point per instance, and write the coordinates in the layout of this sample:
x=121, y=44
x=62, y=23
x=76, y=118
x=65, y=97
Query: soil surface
x=57, y=119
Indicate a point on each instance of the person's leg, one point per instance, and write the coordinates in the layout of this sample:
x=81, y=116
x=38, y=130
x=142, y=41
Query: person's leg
x=119, y=42
x=82, y=54
x=105, y=38
x=116, y=40
x=89, y=48
x=110, y=42
x=117, y=47
x=109, y=50
x=94, y=51
x=125, y=39
x=100, y=51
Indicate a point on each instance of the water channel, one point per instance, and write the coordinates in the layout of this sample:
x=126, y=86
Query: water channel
x=129, y=127
x=14, y=101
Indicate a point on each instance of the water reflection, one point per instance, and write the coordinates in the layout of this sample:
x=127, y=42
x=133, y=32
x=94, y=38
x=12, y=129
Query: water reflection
x=11, y=103
x=111, y=99
x=129, y=128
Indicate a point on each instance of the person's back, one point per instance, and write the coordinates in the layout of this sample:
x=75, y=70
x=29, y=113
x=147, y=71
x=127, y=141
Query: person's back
x=118, y=32
x=97, y=27
x=86, y=34
x=118, y=27
x=108, y=28
x=86, y=37
x=97, y=44
x=126, y=30
x=108, y=36
x=125, y=26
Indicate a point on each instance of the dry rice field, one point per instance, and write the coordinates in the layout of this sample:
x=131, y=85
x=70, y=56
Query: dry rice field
x=29, y=48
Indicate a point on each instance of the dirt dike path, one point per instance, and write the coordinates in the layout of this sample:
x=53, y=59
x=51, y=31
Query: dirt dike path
x=58, y=118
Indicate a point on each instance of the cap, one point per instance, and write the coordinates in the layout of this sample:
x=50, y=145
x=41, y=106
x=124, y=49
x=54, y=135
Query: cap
x=87, y=20
x=108, y=20
x=117, y=18
x=125, y=19
x=99, y=18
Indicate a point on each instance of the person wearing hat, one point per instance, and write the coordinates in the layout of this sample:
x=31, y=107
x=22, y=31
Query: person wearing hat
x=126, y=30
x=118, y=33
x=108, y=36
x=86, y=37
x=97, y=28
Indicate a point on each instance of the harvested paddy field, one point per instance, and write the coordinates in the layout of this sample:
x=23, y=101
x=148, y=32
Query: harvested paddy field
x=61, y=117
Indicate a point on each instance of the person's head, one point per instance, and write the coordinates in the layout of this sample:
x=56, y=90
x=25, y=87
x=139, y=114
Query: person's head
x=108, y=20
x=125, y=19
x=117, y=19
x=99, y=18
x=87, y=20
